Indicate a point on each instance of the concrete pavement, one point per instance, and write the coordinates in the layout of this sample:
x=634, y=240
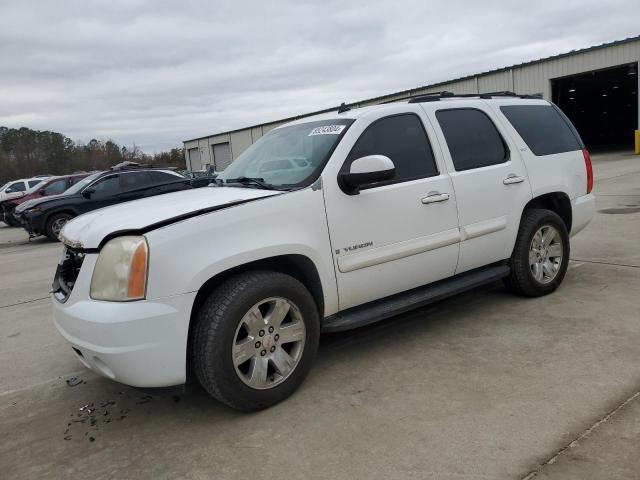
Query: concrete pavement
x=484, y=385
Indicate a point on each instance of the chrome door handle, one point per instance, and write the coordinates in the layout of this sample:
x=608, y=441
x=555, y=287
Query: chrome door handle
x=435, y=197
x=511, y=179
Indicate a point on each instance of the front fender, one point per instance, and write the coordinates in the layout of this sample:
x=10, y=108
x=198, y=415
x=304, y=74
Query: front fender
x=184, y=255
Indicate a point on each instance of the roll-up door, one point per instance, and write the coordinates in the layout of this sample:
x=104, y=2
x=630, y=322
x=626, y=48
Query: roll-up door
x=221, y=156
x=194, y=159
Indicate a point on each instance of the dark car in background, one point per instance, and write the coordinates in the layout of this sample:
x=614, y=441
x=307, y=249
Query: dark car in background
x=122, y=183
x=50, y=186
x=200, y=178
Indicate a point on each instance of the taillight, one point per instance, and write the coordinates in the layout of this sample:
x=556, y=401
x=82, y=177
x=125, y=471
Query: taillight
x=587, y=164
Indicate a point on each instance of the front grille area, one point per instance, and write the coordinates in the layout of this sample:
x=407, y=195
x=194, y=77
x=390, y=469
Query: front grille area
x=67, y=273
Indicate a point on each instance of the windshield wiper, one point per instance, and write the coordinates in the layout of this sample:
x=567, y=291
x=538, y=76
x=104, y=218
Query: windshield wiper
x=252, y=181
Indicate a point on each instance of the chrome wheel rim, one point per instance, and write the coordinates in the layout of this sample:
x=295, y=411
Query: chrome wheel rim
x=57, y=225
x=545, y=254
x=268, y=343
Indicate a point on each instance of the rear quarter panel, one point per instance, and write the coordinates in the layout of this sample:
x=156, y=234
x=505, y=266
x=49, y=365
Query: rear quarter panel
x=560, y=172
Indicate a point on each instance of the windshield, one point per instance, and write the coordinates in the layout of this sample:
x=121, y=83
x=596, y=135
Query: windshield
x=291, y=156
x=81, y=184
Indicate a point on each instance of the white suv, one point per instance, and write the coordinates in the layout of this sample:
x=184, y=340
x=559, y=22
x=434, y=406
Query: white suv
x=325, y=224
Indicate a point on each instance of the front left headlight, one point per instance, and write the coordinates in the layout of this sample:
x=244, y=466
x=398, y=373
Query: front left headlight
x=120, y=273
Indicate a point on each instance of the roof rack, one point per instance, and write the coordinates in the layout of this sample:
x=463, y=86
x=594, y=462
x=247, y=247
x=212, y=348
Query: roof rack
x=127, y=165
x=343, y=108
x=437, y=96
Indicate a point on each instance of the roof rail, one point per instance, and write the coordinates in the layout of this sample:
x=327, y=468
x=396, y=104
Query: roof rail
x=343, y=108
x=127, y=165
x=437, y=96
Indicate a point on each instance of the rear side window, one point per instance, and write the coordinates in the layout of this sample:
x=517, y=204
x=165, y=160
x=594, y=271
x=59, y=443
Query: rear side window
x=401, y=138
x=56, y=187
x=163, y=177
x=134, y=180
x=542, y=128
x=33, y=183
x=472, y=138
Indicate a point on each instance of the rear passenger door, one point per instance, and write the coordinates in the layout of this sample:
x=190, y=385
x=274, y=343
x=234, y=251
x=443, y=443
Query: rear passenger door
x=397, y=234
x=489, y=179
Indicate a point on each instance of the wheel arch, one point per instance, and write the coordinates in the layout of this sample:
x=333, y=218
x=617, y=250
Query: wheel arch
x=66, y=210
x=298, y=266
x=557, y=202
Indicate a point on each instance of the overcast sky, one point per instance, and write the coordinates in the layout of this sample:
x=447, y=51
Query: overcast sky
x=158, y=72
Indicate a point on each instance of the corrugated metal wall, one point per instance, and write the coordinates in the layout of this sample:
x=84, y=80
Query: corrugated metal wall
x=533, y=78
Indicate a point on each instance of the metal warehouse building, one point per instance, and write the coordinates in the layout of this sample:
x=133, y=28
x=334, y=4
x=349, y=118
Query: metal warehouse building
x=597, y=87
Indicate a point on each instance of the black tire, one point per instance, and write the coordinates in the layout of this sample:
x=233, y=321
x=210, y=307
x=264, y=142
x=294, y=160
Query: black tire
x=9, y=220
x=521, y=279
x=214, y=332
x=51, y=221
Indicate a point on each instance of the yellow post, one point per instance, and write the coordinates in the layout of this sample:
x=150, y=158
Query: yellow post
x=637, y=142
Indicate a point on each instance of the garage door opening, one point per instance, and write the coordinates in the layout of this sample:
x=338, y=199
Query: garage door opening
x=603, y=105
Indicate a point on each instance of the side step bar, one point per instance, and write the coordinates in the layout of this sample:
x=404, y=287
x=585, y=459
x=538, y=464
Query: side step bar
x=418, y=297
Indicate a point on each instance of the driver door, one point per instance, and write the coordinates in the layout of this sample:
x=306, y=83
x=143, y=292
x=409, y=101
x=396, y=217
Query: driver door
x=401, y=233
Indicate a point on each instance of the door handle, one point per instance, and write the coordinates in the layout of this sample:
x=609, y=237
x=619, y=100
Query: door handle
x=511, y=179
x=435, y=197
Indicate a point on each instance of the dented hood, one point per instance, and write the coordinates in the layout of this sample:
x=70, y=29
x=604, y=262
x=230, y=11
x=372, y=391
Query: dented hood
x=87, y=231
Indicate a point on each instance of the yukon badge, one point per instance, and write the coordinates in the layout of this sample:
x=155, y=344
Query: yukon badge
x=354, y=247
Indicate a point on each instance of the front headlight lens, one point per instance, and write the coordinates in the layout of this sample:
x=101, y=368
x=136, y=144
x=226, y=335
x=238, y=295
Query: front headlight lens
x=120, y=273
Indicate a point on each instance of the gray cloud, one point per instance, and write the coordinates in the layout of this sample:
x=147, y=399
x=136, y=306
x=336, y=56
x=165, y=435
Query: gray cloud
x=157, y=72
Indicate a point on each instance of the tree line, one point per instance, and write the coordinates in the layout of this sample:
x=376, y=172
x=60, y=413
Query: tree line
x=25, y=152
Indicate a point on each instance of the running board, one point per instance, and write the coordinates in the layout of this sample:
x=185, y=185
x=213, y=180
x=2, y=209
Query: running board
x=418, y=297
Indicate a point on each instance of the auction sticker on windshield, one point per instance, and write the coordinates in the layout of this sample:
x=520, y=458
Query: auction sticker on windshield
x=327, y=130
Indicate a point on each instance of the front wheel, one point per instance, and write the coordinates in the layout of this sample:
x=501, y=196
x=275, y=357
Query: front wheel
x=55, y=224
x=541, y=254
x=9, y=220
x=254, y=339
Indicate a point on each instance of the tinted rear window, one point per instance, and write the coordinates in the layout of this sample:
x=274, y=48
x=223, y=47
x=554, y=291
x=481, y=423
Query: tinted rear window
x=542, y=128
x=472, y=138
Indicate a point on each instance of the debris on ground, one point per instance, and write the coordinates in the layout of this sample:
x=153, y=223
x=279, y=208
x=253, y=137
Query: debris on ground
x=73, y=381
x=94, y=415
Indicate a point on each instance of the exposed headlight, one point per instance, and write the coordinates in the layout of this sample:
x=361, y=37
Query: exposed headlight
x=120, y=273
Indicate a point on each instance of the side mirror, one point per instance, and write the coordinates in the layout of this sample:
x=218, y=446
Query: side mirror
x=365, y=170
x=87, y=192
x=41, y=192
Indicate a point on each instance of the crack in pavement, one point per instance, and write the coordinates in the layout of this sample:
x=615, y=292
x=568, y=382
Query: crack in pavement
x=25, y=301
x=606, y=179
x=583, y=435
x=605, y=263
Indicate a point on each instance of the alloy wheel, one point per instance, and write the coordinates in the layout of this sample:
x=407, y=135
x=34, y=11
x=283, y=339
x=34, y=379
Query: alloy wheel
x=268, y=343
x=545, y=254
x=57, y=225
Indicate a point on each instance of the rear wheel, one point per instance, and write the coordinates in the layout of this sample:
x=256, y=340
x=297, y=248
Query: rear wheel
x=541, y=255
x=254, y=339
x=55, y=224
